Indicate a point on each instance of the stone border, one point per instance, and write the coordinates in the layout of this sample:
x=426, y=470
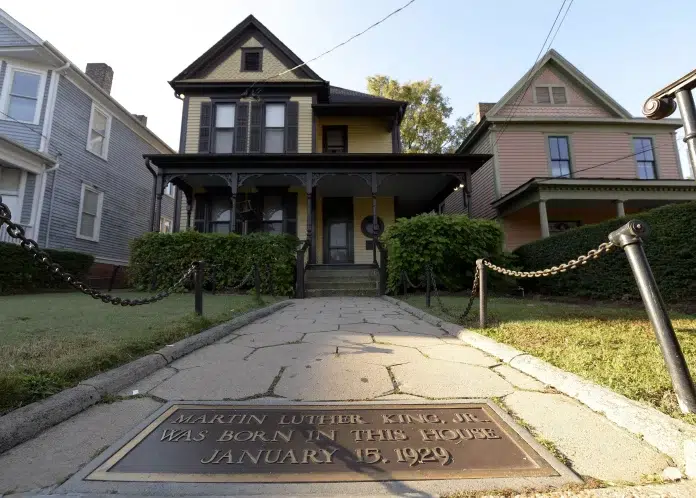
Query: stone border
x=672, y=437
x=24, y=423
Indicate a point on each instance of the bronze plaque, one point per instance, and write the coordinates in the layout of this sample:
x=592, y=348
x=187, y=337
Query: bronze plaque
x=208, y=443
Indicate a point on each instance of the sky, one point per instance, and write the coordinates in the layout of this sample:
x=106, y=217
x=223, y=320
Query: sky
x=476, y=50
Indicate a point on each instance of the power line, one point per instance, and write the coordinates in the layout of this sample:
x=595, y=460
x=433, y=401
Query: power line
x=528, y=81
x=24, y=124
x=331, y=49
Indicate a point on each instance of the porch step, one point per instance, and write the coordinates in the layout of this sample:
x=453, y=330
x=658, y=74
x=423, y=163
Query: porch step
x=341, y=280
x=339, y=292
x=362, y=284
x=311, y=276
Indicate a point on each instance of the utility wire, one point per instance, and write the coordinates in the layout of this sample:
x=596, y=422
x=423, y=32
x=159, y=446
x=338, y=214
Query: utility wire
x=24, y=124
x=330, y=50
x=528, y=81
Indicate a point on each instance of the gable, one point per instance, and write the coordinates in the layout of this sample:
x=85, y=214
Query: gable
x=11, y=38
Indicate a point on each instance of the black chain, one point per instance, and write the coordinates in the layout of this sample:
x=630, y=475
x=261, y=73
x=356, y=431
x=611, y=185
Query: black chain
x=404, y=277
x=441, y=305
x=42, y=258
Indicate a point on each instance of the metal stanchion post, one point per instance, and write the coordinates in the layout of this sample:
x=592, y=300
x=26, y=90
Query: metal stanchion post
x=483, y=292
x=198, y=287
x=628, y=237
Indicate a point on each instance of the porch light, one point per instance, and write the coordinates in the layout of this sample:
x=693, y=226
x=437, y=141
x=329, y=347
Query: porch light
x=456, y=188
x=461, y=185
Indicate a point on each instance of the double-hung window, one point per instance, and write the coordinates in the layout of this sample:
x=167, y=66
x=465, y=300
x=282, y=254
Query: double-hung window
x=23, y=94
x=559, y=155
x=89, y=217
x=99, y=132
x=645, y=158
x=224, y=128
x=274, y=132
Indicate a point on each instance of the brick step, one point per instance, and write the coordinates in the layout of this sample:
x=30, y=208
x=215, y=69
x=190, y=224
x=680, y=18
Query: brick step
x=347, y=285
x=339, y=292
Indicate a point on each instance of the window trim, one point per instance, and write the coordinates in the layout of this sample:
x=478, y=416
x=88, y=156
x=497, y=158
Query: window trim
x=247, y=50
x=550, y=87
x=213, y=121
x=654, y=151
x=568, y=137
x=173, y=189
x=107, y=136
x=284, y=102
x=325, y=128
x=98, y=218
x=10, y=68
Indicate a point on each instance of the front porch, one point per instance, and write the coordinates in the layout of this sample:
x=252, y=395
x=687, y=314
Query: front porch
x=545, y=206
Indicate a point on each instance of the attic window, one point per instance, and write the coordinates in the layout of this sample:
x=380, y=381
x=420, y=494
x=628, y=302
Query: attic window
x=550, y=95
x=251, y=59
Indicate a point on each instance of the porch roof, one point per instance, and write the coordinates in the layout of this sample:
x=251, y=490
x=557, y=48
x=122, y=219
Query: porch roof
x=17, y=155
x=619, y=189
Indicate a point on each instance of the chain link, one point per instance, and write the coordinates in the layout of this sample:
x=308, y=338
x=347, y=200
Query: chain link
x=604, y=247
x=42, y=258
x=441, y=304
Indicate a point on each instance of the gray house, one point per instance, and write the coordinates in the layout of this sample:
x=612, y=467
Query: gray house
x=71, y=157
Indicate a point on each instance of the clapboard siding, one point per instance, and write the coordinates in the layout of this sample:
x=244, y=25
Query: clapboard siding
x=124, y=179
x=26, y=134
x=28, y=202
x=365, y=134
x=10, y=38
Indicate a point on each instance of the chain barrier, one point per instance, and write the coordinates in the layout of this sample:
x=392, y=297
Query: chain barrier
x=244, y=280
x=441, y=304
x=404, y=278
x=42, y=258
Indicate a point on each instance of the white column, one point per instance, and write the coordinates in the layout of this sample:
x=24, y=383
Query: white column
x=543, y=219
x=620, y=209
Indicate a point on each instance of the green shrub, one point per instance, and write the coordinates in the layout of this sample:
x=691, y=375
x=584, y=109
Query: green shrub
x=670, y=247
x=19, y=274
x=450, y=243
x=160, y=259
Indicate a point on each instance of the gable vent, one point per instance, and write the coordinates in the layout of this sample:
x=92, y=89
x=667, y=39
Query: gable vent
x=543, y=95
x=559, y=95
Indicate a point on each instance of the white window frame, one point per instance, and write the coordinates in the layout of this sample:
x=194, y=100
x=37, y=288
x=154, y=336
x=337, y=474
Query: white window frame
x=166, y=219
x=97, y=221
x=170, y=190
x=107, y=137
x=552, y=101
x=7, y=84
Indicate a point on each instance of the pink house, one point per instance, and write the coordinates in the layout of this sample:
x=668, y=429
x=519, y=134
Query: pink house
x=566, y=154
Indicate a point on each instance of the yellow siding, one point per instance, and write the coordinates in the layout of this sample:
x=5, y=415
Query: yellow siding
x=301, y=211
x=194, y=123
x=364, y=134
x=319, y=229
x=304, y=134
x=229, y=69
x=362, y=207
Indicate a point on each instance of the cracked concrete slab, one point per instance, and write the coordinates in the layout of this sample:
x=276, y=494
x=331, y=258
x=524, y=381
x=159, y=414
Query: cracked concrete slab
x=380, y=354
x=215, y=353
x=421, y=327
x=594, y=445
x=255, y=328
x=263, y=339
x=459, y=354
x=369, y=328
x=338, y=338
x=408, y=339
x=289, y=354
x=312, y=327
x=445, y=379
x=62, y=450
x=519, y=379
x=143, y=386
x=334, y=379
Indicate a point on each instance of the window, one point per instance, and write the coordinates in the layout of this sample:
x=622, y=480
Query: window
x=274, y=136
x=99, y=132
x=165, y=225
x=645, y=158
x=224, y=128
x=560, y=156
x=562, y=226
x=169, y=189
x=549, y=94
x=251, y=59
x=273, y=213
x=10, y=179
x=89, y=217
x=22, y=95
x=335, y=139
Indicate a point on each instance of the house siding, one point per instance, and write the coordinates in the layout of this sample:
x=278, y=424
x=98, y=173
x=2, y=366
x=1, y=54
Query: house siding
x=26, y=134
x=194, y=123
x=362, y=207
x=580, y=104
x=28, y=201
x=365, y=135
x=123, y=177
x=10, y=38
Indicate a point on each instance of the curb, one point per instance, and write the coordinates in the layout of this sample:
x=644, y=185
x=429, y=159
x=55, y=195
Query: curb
x=23, y=423
x=672, y=437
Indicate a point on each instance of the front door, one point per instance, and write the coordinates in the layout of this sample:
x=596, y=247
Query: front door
x=338, y=230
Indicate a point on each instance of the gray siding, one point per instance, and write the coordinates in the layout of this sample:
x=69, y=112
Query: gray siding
x=10, y=38
x=28, y=201
x=124, y=179
x=26, y=134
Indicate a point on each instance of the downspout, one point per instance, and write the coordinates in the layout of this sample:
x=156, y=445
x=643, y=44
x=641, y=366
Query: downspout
x=154, y=194
x=50, y=203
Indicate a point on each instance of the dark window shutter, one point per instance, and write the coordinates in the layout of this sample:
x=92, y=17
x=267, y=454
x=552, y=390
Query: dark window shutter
x=241, y=127
x=205, y=127
x=256, y=118
x=292, y=116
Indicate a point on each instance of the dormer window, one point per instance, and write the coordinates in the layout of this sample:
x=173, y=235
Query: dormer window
x=251, y=59
x=549, y=94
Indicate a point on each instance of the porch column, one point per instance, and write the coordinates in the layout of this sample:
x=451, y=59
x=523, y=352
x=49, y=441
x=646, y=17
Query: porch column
x=310, y=215
x=234, y=184
x=159, y=191
x=543, y=219
x=375, y=226
x=189, y=207
x=466, y=192
x=620, y=212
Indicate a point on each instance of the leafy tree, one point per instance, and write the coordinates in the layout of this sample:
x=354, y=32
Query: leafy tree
x=424, y=127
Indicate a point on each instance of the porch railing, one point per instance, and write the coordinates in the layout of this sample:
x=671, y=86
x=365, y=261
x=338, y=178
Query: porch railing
x=382, y=267
x=302, y=252
x=5, y=237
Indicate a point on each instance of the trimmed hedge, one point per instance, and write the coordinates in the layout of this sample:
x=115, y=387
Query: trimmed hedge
x=670, y=247
x=19, y=274
x=162, y=258
x=450, y=243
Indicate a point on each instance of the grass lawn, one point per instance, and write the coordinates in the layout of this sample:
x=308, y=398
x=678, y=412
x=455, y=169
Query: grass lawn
x=610, y=345
x=49, y=342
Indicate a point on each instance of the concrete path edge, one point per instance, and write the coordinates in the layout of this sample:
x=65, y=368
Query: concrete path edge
x=24, y=423
x=673, y=437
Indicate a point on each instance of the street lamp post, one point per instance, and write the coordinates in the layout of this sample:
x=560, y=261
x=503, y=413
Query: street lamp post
x=665, y=102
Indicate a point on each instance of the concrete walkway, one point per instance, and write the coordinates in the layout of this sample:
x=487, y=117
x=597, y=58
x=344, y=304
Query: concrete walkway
x=337, y=349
